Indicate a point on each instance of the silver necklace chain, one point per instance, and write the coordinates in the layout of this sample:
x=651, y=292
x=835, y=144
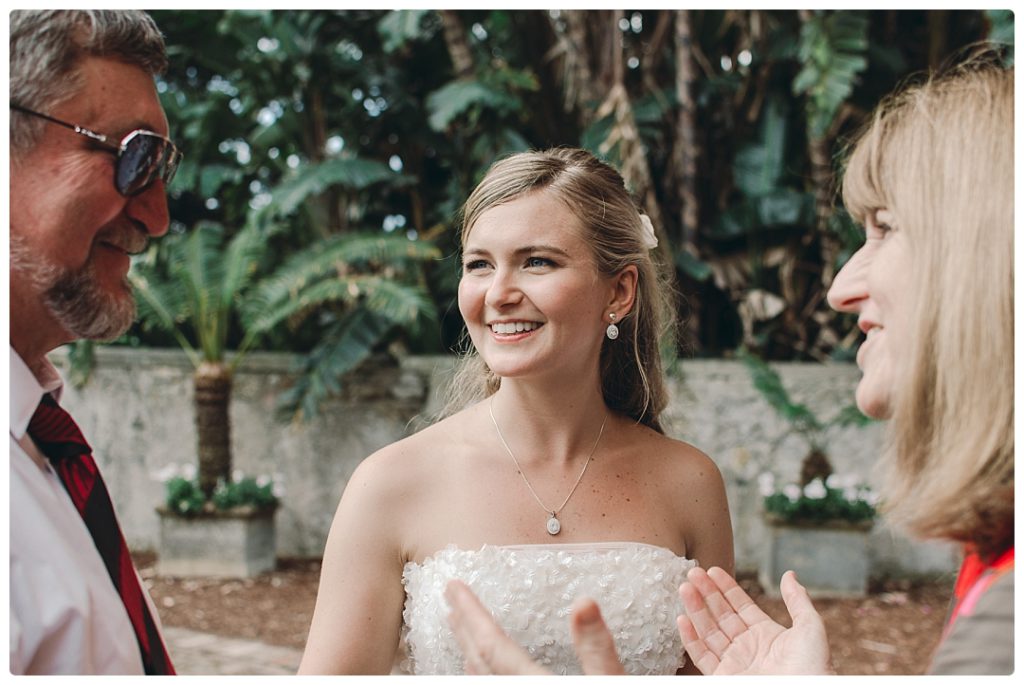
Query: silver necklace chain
x=553, y=524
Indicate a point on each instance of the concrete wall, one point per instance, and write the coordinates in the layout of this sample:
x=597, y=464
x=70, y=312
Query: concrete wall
x=137, y=413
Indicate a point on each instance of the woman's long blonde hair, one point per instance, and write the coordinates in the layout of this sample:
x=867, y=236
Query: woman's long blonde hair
x=632, y=380
x=940, y=156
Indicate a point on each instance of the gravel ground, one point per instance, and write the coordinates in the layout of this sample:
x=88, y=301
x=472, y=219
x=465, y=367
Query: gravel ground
x=891, y=632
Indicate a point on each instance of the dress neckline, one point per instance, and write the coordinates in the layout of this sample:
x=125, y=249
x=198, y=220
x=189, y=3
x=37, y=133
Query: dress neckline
x=596, y=546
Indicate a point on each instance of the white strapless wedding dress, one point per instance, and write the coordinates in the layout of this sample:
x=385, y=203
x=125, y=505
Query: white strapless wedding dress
x=530, y=588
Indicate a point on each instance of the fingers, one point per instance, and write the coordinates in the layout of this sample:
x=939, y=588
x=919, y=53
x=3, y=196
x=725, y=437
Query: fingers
x=797, y=601
x=718, y=612
x=712, y=586
x=594, y=645
x=740, y=602
x=703, y=658
x=485, y=647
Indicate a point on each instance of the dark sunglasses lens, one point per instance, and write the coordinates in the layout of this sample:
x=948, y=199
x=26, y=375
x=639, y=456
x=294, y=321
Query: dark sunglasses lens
x=140, y=163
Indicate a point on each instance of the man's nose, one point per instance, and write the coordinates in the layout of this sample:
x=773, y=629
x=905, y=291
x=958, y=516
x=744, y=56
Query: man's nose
x=149, y=208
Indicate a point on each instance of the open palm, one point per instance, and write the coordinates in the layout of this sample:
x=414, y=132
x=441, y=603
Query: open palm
x=726, y=633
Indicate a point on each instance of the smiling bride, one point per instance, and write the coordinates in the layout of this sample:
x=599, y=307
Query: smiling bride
x=554, y=479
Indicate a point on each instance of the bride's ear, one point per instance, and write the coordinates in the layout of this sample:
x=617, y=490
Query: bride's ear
x=623, y=292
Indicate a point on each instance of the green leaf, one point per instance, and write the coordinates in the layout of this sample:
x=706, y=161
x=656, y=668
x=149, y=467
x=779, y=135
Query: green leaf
x=832, y=47
x=758, y=166
x=352, y=174
x=768, y=382
x=693, y=267
x=400, y=26
x=456, y=98
x=343, y=347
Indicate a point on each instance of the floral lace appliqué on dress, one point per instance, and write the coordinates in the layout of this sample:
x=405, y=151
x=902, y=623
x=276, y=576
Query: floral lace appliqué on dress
x=530, y=588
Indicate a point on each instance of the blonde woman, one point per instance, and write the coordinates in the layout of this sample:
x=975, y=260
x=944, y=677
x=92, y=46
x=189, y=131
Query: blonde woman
x=556, y=480
x=931, y=180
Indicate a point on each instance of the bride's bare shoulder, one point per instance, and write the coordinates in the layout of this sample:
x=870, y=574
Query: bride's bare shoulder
x=429, y=450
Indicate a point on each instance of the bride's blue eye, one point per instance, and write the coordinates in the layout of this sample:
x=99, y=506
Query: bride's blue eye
x=474, y=264
x=534, y=262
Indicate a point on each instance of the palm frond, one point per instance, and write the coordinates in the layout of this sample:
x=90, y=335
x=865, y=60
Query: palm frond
x=322, y=273
x=353, y=174
x=344, y=346
x=397, y=302
x=159, y=304
x=198, y=263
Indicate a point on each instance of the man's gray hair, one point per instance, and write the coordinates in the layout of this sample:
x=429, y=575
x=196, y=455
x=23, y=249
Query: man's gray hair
x=47, y=46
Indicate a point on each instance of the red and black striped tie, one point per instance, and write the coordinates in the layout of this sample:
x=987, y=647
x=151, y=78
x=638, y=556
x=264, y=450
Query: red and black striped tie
x=57, y=435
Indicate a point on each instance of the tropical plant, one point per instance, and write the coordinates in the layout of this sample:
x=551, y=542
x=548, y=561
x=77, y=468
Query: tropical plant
x=366, y=282
x=800, y=419
x=696, y=106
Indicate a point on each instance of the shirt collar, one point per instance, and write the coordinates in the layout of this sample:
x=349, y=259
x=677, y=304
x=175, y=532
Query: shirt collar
x=28, y=388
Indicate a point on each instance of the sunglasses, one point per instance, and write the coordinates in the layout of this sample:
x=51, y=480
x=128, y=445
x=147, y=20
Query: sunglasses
x=143, y=156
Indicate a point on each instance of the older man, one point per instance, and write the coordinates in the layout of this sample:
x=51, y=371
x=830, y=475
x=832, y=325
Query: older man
x=89, y=163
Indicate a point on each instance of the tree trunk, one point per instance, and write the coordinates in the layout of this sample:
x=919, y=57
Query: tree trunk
x=458, y=46
x=684, y=155
x=581, y=92
x=212, y=382
x=626, y=135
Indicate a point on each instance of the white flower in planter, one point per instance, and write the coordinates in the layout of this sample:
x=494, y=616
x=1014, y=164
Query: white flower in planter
x=188, y=471
x=766, y=483
x=815, y=489
x=792, y=492
x=167, y=472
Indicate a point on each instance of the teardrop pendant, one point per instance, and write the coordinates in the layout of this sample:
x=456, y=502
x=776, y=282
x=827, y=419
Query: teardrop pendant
x=553, y=525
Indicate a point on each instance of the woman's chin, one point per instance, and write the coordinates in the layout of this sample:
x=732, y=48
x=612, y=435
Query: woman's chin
x=873, y=404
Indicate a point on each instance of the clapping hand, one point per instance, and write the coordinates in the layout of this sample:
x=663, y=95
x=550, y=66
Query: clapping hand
x=725, y=633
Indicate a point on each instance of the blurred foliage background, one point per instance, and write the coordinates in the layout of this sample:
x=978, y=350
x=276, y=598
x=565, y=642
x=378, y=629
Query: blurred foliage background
x=343, y=143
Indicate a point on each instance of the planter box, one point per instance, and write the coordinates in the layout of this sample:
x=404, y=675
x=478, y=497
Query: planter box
x=830, y=560
x=238, y=544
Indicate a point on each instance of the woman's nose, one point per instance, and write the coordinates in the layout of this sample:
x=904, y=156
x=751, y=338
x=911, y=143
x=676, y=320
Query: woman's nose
x=503, y=289
x=849, y=288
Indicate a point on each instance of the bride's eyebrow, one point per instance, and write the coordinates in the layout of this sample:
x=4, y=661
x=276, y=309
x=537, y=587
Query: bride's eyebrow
x=520, y=251
x=530, y=249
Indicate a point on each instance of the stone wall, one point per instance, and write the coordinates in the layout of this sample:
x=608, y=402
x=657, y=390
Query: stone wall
x=137, y=412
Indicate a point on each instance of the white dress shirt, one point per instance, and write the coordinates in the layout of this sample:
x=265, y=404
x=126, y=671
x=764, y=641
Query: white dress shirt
x=66, y=614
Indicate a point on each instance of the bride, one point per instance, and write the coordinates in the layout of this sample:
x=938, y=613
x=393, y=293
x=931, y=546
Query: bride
x=556, y=479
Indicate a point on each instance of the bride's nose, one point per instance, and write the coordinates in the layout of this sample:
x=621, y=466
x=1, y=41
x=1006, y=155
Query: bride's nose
x=503, y=290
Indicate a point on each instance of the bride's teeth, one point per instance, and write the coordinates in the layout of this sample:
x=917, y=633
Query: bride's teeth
x=516, y=327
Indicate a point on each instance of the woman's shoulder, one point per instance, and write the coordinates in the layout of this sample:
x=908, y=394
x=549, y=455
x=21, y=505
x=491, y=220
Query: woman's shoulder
x=676, y=454
x=426, y=451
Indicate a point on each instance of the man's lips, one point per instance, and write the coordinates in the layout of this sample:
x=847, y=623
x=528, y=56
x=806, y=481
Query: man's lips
x=130, y=241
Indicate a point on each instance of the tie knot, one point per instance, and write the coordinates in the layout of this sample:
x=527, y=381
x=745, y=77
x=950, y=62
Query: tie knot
x=55, y=432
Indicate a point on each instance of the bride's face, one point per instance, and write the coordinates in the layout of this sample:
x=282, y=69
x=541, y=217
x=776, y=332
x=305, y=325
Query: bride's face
x=532, y=298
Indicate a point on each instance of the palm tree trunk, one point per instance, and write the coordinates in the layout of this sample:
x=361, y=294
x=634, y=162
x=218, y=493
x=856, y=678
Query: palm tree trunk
x=212, y=382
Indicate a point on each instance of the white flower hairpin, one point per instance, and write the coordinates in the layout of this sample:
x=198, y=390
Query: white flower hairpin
x=650, y=240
